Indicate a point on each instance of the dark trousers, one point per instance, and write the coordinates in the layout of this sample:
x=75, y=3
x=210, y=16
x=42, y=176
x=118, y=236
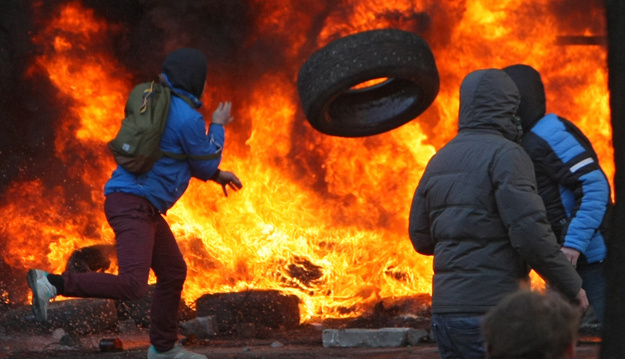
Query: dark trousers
x=594, y=283
x=143, y=241
x=458, y=336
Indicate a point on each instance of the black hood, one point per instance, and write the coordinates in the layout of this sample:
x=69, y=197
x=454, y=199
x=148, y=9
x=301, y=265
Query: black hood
x=533, y=103
x=186, y=69
x=489, y=100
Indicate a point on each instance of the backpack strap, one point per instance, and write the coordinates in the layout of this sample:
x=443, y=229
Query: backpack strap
x=147, y=94
x=195, y=103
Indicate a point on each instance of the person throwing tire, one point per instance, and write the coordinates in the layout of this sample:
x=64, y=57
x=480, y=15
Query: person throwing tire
x=135, y=205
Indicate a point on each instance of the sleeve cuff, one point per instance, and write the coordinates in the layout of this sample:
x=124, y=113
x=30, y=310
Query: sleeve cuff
x=215, y=175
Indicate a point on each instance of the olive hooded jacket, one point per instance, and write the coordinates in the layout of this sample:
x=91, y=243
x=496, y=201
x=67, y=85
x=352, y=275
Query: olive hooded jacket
x=476, y=208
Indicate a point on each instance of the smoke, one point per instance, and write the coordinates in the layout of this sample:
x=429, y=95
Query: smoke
x=578, y=17
x=31, y=111
x=244, y=40
x=27, y=111
x=154, y=28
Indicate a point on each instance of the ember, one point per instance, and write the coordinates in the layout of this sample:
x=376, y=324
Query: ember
x=320, y=218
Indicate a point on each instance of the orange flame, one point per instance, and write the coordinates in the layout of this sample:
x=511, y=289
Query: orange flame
x=333, y=233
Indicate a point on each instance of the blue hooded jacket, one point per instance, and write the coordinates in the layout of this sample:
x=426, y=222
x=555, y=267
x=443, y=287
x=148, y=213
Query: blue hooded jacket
x=573, y=186
x=184, y=71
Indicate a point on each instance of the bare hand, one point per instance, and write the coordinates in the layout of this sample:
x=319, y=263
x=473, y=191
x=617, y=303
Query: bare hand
x=571, y=254
x=221, y=116
x=582, y=300
x=228, y=179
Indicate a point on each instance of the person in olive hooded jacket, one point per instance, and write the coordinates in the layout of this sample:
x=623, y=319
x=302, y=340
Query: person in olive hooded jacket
x=477, y=211
x=570, y=181
x=135, y=205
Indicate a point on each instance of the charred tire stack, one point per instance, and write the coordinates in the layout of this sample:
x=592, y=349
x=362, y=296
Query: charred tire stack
x=334, y=105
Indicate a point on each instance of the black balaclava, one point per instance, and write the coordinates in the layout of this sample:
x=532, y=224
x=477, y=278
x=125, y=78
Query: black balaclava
x=186, y=69
x=533, y=103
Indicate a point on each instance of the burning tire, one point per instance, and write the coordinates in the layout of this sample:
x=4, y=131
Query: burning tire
x=333, y=83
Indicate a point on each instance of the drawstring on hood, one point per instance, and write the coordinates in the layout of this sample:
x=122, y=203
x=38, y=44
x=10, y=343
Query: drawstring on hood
x=533, y=102
x=184, y=71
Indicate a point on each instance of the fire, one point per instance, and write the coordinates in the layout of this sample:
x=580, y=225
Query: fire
x=319, y=217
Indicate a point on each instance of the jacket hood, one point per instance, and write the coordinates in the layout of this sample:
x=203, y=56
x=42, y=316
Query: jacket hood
x=532, y=106
x=489, y=100
x=186, y=70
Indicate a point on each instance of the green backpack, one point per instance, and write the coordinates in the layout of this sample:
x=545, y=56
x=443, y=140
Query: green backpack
x=136, y=145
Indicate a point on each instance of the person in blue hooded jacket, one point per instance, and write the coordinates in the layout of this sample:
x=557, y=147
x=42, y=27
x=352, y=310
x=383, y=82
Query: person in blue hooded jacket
x=135, y=205
x=570, y=181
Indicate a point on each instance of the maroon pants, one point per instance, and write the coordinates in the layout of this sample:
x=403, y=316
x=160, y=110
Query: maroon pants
x=143, y=241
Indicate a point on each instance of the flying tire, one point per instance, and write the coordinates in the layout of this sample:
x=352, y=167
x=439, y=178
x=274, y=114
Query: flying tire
x=333, y=84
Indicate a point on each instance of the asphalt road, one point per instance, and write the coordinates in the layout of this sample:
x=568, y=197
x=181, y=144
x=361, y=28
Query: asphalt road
x=298, y=345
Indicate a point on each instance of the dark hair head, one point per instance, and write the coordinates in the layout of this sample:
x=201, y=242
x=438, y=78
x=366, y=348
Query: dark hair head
x=528, y=325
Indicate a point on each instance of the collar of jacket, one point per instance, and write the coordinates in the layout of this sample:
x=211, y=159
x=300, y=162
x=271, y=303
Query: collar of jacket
x=185, y=95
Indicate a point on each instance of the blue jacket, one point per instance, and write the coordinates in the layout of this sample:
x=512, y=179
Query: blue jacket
x=185, y=132
x=575, y=190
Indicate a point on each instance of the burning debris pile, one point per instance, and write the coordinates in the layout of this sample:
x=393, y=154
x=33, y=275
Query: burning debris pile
x=320, y=218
